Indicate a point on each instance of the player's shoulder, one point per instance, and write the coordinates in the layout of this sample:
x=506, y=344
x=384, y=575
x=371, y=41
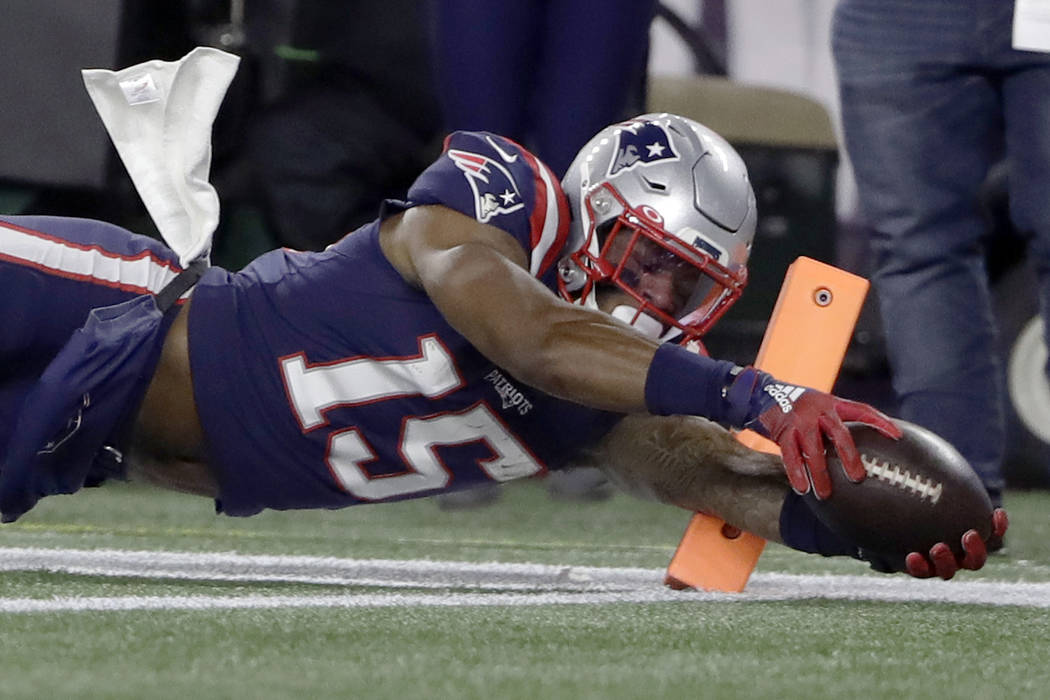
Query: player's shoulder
x=504, y=176
x=496, y=181
x=487, y=144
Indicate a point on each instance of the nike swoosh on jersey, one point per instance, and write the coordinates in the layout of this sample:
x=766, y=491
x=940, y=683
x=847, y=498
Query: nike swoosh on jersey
x=508, y=157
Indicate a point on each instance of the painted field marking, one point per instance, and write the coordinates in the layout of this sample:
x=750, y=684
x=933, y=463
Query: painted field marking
x=386, y=573
x=487, y=584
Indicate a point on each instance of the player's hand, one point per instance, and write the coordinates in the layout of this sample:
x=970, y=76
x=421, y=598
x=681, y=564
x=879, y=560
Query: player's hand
x=798, y=419
x=940, y=561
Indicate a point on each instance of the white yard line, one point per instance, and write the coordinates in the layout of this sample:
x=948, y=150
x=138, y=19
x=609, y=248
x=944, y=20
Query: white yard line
x=359, y=600
x=488, y=584
x=387, y=573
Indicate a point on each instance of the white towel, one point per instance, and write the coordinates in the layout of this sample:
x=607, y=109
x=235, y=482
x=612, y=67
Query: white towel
x=159, y=115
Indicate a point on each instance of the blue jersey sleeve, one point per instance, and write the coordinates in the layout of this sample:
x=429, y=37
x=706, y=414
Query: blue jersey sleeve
x=497, y=182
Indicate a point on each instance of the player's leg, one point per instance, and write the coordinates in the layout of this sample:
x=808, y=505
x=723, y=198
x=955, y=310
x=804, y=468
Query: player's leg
x=53, y=273
x=921, y=133
x=54, y=270
x=1026, y=106
x=484, y=63
x=591, y=73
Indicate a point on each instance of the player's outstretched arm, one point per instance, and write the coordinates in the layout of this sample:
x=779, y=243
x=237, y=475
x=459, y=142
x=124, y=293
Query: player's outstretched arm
x=476, y=276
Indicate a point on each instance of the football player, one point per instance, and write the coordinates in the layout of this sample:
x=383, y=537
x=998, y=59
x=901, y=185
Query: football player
x=488, y=328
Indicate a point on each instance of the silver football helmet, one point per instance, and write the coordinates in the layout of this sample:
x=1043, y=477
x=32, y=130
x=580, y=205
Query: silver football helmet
x=663, y=211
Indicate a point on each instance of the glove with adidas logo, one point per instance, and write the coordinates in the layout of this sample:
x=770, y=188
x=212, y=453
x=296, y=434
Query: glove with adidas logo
x=798, y=419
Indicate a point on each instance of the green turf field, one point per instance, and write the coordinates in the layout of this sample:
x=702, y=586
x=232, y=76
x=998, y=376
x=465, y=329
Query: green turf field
x=126, y=592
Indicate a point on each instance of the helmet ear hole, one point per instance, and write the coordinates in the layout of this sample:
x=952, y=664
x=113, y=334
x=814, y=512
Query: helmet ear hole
x=571, y=275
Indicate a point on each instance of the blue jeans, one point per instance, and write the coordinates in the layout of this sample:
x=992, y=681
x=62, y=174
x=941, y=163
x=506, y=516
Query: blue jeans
x=932, y=96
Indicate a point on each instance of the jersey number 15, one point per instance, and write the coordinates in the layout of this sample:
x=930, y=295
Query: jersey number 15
x=314, y=389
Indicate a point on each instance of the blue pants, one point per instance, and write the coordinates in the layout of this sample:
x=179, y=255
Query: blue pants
x=81, y=335
x=549, y=74
x=932, y=96
x=53, y=271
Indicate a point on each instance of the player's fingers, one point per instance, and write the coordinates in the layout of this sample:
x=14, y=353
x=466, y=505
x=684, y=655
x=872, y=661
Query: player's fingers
x=852, y=410
x=812, y=446
x=844, y=445
x=794, y=466
x=917, y=565
x=943, y=560
x=976, y=552
x=1000, y=522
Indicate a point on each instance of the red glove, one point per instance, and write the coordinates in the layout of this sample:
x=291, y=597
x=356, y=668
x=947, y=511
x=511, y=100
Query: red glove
x=942, y=562
x=798, y=419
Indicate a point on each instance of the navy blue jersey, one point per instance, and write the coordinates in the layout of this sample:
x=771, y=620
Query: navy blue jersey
x=324, y=380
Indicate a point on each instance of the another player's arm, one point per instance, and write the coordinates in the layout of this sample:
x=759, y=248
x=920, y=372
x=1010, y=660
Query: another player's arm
x=698, y=465
x=477, y=276
x=694, y=464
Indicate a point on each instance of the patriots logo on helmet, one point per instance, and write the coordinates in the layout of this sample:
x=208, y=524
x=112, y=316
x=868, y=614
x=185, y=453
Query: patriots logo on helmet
x=639, y=144
x=495, y=191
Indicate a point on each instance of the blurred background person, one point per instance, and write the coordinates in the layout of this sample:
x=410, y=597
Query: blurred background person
x=933, y=95
x=546, y=73
x=356, y=121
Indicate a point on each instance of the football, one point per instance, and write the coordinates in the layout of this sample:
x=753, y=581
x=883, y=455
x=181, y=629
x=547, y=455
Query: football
x=919, y=491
